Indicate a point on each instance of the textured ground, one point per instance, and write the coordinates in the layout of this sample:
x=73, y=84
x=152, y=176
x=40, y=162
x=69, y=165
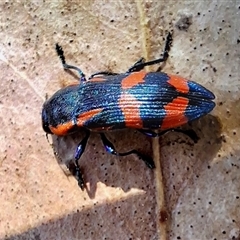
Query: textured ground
x=198, y=194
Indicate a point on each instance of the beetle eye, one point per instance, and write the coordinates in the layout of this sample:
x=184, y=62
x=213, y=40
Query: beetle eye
x=45, y=124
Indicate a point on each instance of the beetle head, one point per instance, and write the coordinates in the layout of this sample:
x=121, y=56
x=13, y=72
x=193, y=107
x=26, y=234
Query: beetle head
x=45, y=123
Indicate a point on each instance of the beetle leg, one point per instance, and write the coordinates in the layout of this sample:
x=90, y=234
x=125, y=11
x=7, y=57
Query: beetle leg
x=60, y=53
x=103, y=73
x=111, y=149
x=138, y=66
x=79, y=151
x=190, y=133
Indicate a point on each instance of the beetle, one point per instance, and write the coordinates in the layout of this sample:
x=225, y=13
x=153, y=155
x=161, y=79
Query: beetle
x=137, y=99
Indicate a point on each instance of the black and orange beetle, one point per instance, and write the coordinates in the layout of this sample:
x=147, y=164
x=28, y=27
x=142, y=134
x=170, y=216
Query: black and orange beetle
x=137, y=99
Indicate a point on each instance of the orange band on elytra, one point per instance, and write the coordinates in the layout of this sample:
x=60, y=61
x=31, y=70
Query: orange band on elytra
x=175, y=113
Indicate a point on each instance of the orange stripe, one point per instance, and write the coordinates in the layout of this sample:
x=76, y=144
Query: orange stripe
x=62, y=129
x=130, y=109
x=133, y=79
x=179, y=83
x=175, y=113
x=81, y=119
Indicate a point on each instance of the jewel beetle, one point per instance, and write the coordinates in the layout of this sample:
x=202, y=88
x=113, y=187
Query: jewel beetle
x=145, y=101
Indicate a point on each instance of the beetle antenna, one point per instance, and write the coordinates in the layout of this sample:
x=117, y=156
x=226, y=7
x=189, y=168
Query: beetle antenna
x=60, y=53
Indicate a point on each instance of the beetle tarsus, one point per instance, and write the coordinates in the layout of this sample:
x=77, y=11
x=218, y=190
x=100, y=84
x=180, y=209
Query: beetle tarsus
x=79, y=177
x=74, y=169
x=148, y=160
